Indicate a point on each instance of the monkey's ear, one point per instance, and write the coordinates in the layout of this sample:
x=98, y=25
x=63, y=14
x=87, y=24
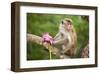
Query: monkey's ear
x=62, y=22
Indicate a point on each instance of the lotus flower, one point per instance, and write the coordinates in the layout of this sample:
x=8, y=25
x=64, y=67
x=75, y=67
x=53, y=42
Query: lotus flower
x=47, y=38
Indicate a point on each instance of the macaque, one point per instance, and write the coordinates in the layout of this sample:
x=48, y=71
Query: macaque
x=66, y=37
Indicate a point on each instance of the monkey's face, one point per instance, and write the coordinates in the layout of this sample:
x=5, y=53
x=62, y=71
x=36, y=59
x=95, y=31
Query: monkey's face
x=67, y=25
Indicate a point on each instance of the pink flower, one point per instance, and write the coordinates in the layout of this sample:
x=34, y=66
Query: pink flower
x=47, y=38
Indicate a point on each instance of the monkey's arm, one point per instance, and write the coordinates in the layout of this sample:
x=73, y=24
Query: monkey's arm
x=57, y=36
x=61, y=40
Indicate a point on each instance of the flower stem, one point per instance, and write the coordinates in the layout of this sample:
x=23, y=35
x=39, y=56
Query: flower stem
x=50, y=55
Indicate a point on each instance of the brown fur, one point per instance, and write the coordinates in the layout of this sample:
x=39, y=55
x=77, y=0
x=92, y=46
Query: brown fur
x=67, y=39
x=72, y=49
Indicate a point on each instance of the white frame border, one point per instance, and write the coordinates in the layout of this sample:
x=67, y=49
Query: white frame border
x=61, y=62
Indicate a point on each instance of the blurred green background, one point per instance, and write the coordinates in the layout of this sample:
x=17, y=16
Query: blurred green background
x=38, y=24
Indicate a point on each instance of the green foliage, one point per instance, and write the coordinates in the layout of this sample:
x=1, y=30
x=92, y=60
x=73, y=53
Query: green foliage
x=38, y=24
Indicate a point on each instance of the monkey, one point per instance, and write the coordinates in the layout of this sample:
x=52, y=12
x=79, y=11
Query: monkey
x=66, y=37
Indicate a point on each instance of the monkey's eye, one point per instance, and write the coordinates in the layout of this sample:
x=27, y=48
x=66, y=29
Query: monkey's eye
x=69, y=22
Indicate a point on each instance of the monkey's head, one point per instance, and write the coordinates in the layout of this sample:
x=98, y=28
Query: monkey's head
x=67, y=23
